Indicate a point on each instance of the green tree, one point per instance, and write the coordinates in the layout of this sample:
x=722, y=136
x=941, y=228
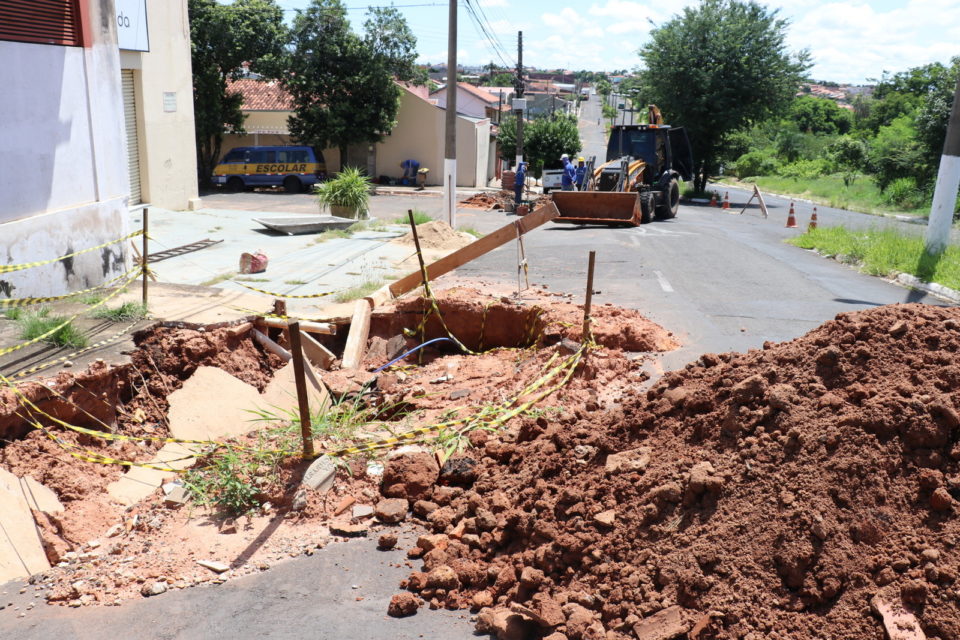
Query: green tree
x=934, y=111
x=719, y=67
x=342, y=84
x=501, y=79
x=222, y=38
x=895, y=153
x=819, y=115
x=508, y=136
x=546, y=139
x=603, y=86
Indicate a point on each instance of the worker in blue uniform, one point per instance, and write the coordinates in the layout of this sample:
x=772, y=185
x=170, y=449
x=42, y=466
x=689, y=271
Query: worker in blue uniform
x=581, y=172
x=569, y=174
x=519, y=181
x=410, y=168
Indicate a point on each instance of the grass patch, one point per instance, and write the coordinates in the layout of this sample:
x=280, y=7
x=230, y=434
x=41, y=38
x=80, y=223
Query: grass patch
x=862, y=195
x=218, y=279
x=472, y=231
x=34, y=324
x=294, y=282
x=91, y=299
x=373, y=224
x=332, y=234
x=361, y=290
x=883, y=252
x=419, y=217
x=251, y=279
x=124, y=313
x=237, y=482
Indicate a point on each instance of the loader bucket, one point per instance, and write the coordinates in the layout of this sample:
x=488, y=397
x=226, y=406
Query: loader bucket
x=598, y=207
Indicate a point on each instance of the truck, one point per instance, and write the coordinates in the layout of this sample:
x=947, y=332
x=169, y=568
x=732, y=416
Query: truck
x=639, y=180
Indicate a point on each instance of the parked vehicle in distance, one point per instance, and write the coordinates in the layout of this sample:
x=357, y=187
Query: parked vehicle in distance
x=293, y=167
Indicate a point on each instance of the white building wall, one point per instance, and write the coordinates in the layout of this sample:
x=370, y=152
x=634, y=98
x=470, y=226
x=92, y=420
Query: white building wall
x=63, y=179
x=168, y=152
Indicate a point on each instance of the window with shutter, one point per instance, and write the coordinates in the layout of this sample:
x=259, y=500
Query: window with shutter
x=57, y=22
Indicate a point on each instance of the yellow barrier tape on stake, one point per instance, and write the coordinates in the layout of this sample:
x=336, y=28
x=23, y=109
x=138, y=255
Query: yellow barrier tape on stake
x=9, y=268
x=132, y=276
x=26, y=302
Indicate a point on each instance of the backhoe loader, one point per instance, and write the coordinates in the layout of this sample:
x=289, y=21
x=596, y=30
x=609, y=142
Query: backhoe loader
x=638, y=181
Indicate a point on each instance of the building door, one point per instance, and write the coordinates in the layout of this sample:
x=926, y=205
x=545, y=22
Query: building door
x=133, y=146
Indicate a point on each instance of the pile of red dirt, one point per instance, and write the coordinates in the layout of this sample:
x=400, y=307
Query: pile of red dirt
x=437, y=234
x=789, y=492
x=487, y=201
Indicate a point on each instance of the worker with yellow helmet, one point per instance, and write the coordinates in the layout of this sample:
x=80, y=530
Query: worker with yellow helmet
x=581, y=173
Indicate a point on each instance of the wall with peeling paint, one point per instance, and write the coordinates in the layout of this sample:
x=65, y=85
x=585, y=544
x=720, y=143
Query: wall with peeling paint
x=63, y=166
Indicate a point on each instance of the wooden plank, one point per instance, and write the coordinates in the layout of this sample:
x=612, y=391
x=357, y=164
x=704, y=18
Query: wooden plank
x=763, y=205
x=359, y=332
x=317, y=353
x=325, y=328
x=476, y=249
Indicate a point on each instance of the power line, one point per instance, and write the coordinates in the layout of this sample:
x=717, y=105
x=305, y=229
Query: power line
x=493, y=42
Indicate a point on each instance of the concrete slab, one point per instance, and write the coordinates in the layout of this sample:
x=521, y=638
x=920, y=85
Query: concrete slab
x=39, y=497
x=211, y=405
x=140, y=482
x=21, y=552
x=280, y=396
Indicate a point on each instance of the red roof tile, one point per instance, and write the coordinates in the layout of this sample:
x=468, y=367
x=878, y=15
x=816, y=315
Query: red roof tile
x=486, y=96
x=260, y=95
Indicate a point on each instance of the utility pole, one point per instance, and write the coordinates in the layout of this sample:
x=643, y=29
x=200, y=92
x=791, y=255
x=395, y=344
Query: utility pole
x=521, y=106
x=948, y=179
x=450, y=146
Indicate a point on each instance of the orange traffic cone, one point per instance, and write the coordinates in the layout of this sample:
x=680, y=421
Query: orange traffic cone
x=791, y=219
x=726, y=200
x=713, y=200
x=813, y=220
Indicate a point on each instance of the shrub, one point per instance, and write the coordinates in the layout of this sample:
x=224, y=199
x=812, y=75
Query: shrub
x=349, y=189
x=903, y=192
x=805, y=169
x=756, y=163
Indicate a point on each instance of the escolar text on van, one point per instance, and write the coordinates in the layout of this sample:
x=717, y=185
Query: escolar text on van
x=293, y=167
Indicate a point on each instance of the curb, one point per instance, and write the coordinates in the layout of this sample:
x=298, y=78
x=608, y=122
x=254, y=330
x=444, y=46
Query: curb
x=906, y=280
x=934, y=289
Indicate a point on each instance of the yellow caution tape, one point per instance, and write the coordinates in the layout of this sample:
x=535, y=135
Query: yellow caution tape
x=284, y=295
x=96, y=345
x=8, y=268
x=132, y=275
x=26, y=302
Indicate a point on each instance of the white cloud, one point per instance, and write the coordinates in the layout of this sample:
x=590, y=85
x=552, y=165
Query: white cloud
x=850, y=41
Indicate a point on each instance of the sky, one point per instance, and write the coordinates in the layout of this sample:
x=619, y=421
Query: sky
x=849, y=41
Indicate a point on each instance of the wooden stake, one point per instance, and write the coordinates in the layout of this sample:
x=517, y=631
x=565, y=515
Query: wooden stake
x=416, y=243
x=146, y=213
x=301, y=382
x=589, y=300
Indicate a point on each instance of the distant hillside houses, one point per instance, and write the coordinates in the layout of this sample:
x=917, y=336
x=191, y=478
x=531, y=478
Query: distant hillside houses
x=841, y=94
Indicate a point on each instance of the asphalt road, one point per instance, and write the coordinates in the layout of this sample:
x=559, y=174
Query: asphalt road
x=720, y=281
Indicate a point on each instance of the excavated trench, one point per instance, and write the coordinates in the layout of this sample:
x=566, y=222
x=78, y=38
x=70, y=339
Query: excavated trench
x=131, y=398
x=481, y=323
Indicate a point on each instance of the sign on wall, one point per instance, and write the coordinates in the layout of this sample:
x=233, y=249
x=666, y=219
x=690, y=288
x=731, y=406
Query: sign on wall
x=132, y=25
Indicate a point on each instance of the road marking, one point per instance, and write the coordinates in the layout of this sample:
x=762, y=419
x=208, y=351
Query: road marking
x=663, y=282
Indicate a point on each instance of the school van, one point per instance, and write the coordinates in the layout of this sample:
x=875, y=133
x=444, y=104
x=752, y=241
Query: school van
x=292, y=167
